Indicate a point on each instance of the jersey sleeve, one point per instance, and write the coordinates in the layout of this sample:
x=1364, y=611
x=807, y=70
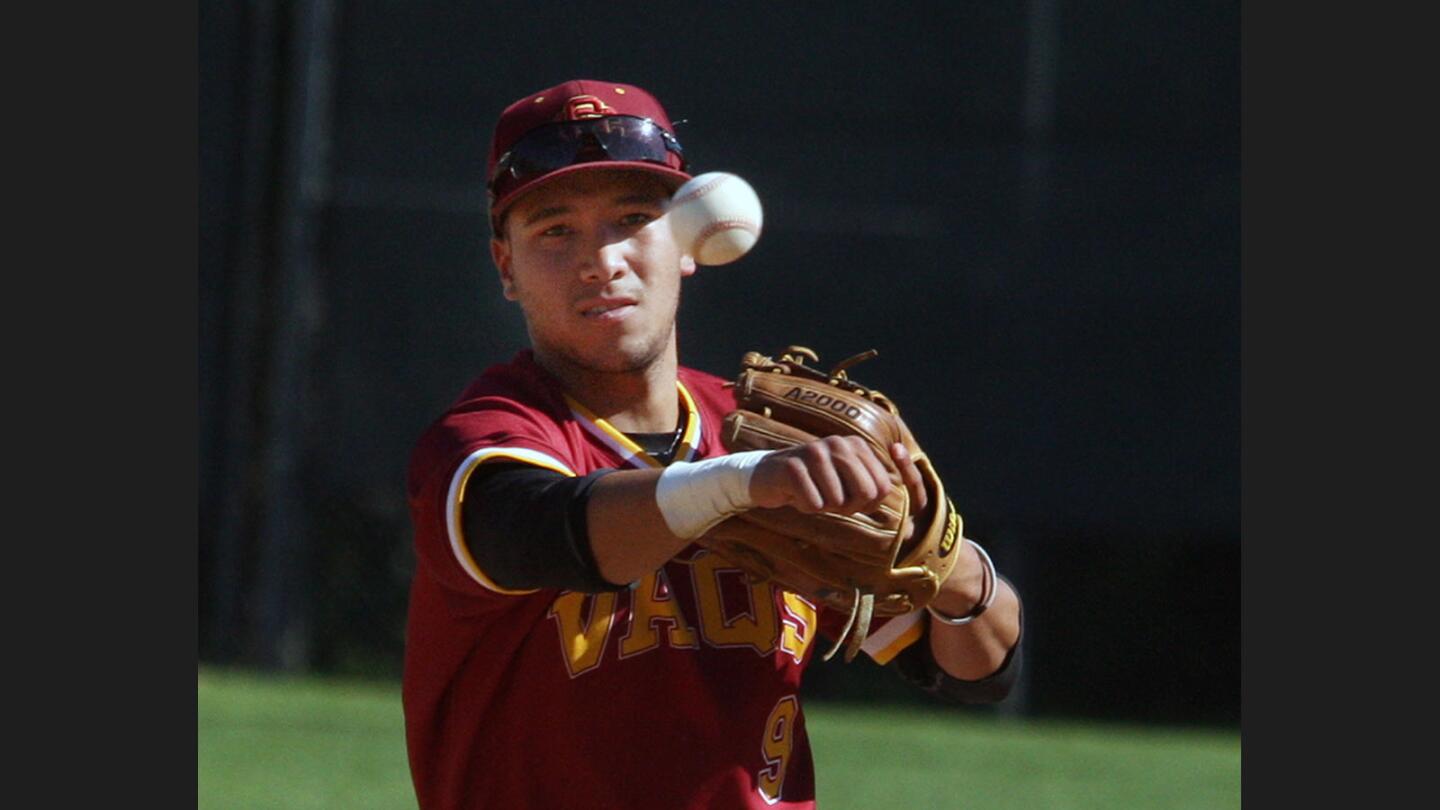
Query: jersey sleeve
x=486, y=431
x=528, y=527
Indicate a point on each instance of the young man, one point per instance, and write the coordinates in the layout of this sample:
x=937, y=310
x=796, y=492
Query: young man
x=568, y=644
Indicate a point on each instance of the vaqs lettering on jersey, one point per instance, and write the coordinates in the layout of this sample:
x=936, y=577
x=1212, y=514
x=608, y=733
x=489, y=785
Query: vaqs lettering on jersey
x=650, y=615
x=825, y=401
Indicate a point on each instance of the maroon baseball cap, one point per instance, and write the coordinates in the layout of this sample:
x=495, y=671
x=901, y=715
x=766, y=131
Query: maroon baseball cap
x=580, y=124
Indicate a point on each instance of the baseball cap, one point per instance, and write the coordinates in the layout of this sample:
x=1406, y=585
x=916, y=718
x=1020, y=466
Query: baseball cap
x=578, y=125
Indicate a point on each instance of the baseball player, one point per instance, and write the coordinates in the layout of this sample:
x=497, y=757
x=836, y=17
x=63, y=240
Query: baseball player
x=568, y=644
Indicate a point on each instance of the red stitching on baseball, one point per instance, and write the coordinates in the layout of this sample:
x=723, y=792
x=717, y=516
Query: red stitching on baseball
x=724, y=225
x=700, y=191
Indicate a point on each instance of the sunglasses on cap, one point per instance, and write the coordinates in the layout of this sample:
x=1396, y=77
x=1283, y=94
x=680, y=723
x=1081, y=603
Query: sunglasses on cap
x=554, y=146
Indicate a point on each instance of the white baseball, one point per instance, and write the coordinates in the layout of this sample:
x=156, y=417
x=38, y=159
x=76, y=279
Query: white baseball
x=715, y=217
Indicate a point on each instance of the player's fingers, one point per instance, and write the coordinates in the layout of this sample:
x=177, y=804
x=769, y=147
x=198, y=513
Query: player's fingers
x=879, y=470
x=820, y=456
x=803, y=493
x=910, y=474
x=862, y=488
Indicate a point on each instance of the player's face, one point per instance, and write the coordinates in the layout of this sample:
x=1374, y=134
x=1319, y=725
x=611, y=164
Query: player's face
x=595, y=269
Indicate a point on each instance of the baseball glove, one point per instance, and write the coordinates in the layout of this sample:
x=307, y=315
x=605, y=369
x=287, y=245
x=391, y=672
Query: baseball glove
x=888, y=562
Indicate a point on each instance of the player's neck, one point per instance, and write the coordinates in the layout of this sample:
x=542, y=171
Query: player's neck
x=640, y=401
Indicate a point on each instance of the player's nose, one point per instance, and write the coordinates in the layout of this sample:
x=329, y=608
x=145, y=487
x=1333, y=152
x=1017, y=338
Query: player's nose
x=607, y=261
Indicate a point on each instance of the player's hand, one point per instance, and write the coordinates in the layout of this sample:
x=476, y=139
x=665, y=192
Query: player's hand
x=910, y=474
x=840, y=474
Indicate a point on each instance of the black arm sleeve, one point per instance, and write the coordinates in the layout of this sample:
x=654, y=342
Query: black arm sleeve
x=917, y=665
x=526, y=527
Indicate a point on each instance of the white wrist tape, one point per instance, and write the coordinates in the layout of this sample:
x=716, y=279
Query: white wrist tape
x=693, y=496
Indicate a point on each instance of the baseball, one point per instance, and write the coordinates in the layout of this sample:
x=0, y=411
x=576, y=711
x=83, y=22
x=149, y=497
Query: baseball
x=715, y=217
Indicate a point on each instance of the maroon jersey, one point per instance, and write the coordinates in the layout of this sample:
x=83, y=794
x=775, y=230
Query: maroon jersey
x=680, y=692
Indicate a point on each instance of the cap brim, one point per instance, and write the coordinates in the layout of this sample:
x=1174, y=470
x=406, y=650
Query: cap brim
x=504, y=203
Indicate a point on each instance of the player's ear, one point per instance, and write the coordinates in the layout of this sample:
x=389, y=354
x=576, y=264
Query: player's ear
x=687, y=265
x=500, y=254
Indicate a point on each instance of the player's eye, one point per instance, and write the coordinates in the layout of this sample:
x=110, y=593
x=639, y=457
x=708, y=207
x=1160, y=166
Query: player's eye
x=556, y=230
x=637, y=218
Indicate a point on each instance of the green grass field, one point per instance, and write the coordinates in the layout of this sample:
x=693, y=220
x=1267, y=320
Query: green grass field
x=269, y=742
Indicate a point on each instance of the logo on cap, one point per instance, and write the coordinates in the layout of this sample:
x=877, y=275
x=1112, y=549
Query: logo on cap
x=579, y=107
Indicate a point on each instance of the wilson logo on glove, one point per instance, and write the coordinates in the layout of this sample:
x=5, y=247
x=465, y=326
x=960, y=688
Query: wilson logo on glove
x=952, y=530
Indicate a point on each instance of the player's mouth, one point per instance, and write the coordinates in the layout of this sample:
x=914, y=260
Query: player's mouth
x=608, y=309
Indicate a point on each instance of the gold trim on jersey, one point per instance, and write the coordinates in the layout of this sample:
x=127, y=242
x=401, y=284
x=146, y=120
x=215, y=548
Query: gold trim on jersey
x=690, y=441
x=628, y=450
x=455, y=500
x=897, y=634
